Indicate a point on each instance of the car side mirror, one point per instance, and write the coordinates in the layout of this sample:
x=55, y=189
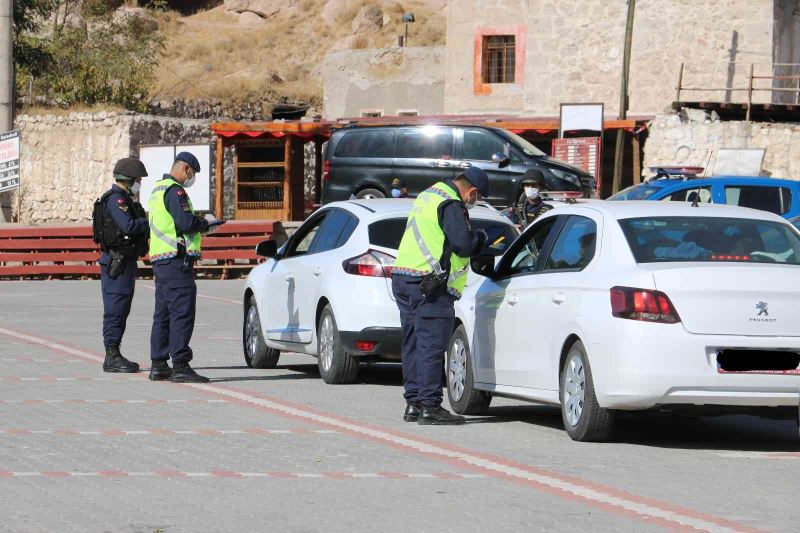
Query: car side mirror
x=501, y=159
x=268, y=248
x=483, y=265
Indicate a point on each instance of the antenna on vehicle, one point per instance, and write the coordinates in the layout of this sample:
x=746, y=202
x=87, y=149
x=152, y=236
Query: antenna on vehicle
x=696, y=202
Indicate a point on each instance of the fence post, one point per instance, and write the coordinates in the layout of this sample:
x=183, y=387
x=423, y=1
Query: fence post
x=750, y=93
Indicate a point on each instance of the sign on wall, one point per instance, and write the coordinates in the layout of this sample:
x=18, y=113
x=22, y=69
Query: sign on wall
x=739, y=162
x=158, y=161
x=582, y=152
x=580, y=117
x=9, y=161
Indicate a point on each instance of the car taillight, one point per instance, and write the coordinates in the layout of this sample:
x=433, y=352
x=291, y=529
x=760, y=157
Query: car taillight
x=373, y=264
x=643, y=304
x=326, y=171
x=365, y=346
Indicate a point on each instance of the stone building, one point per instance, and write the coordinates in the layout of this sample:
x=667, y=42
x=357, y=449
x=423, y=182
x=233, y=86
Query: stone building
x=529, y=56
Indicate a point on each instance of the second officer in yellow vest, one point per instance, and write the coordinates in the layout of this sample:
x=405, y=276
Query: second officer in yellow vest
x=175, y=239
x=427, y=278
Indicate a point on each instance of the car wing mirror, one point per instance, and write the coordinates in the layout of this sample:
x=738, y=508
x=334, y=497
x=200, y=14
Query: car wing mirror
x=501, y=159
x=268, y=248
x=483, y=265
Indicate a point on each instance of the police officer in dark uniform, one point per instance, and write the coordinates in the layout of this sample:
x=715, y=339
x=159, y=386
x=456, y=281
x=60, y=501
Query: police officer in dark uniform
x=529, y=205
x=120, y=228
x=427, y=278
x=175, y=239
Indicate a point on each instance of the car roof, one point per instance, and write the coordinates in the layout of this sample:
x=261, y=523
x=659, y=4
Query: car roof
x=381, y=208
x=645, y=208
x=668, y=182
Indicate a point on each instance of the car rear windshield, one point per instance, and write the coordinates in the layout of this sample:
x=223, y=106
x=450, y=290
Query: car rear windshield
x=681, y=239
x=637, y=192
x=388, y=233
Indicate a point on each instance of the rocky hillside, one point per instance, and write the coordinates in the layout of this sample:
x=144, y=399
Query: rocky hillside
x=272, y=50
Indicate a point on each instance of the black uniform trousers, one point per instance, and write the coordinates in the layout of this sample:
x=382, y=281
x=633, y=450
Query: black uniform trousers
x=117, y=299
x=173, y=318
x=427, y=325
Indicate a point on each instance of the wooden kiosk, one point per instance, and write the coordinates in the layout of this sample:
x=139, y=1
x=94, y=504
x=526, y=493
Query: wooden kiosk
x=268, y=167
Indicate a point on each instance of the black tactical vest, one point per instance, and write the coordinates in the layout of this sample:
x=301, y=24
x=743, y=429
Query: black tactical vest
x=109, y=236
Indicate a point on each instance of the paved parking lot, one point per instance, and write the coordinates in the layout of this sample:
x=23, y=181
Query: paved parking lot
x=279, y=450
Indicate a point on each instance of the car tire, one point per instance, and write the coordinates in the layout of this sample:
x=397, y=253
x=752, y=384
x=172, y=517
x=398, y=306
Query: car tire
x=464, y=398
x=256, y=352
x=366, y=194
x=584, y=419
x=336, y=366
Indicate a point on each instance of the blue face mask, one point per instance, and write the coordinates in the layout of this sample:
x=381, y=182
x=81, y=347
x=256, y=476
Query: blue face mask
x=397, y=193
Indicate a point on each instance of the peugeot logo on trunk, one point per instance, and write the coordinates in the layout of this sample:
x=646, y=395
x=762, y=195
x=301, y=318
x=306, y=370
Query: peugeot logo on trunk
x=762, y=308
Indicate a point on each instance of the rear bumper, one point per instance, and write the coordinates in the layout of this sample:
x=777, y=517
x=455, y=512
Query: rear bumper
x=389, y=341
x=648, y=366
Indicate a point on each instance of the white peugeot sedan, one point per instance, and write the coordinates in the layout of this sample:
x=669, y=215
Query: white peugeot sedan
x=327, y=291
x=606, y=306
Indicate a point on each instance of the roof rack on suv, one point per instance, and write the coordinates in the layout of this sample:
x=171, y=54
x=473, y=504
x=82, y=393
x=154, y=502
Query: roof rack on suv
x=669, y=172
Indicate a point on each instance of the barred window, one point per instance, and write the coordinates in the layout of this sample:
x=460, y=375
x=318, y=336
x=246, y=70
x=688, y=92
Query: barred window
x=499, y=58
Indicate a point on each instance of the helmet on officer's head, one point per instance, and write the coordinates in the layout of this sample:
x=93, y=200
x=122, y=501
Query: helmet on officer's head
x=129, y=169
x=533, y=178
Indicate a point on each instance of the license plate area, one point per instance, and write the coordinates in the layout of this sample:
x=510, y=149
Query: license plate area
x=743, y=361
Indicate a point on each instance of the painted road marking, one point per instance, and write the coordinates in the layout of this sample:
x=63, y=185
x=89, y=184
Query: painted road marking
x=170, y=432
x=241, y=475
x=568, y=487
x=36, y=401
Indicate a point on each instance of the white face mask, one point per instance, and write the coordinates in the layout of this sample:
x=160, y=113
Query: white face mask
x=135, y=188
x=531, y=193
x=189, y=181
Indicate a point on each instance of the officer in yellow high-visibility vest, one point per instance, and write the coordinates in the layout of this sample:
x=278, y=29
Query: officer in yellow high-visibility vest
x=175, y=238
x=427, y=278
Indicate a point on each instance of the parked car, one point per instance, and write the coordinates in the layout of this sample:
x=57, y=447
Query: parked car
x=778, y=196
x=606, y=306
x=327, y=291
x=361, y=161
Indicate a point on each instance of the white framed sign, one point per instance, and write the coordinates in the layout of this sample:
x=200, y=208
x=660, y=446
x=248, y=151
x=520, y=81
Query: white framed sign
x=158, y=159
x=9, y=161
x=739, y=162
x=578, y=117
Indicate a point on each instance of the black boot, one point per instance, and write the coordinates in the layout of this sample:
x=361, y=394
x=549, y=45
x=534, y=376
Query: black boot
x=160, y=371
x=438, y=416
x=116, y=363
x=183, y=373
x=412, y=412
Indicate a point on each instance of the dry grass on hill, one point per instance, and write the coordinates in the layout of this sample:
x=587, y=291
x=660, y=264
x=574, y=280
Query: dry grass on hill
x=212, y=54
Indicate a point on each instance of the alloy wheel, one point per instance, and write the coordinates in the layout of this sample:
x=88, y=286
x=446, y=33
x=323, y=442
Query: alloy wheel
x=457, y=369
x=574, y=389
x=251, y=331
x=326, y=343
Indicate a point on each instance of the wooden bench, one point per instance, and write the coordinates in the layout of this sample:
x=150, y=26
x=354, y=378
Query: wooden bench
x=69, y=252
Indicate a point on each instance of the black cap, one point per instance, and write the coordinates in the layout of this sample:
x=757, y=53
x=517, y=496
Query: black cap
x=533, y=177
x=190, y=160
x=478, y=178
x=130, y=167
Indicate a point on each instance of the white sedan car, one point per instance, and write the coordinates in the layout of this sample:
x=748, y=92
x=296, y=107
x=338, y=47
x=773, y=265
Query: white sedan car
x=600, y=307
x=327, y=291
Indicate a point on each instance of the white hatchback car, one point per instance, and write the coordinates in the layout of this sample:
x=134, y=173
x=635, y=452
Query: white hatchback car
x=604, y=306
x=327, y=291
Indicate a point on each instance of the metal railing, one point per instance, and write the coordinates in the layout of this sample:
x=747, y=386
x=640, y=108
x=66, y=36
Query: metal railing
x=781, y=85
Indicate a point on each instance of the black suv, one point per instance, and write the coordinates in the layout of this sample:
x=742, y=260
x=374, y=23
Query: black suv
x=361, y=161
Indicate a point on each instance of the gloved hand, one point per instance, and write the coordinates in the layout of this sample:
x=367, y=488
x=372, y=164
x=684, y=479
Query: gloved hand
x=212, y=227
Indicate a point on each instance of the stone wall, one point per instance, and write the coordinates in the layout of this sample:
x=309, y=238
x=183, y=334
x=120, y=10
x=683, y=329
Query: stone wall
x=694, y=138
x=67, y=162
x=386, y=79
x=572, y=52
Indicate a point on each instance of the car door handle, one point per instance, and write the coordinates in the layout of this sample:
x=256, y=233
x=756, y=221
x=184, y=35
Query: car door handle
x=464, y=165
x=318, y=272
x=440, y=164
x=558, y=298
x=513, y=300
